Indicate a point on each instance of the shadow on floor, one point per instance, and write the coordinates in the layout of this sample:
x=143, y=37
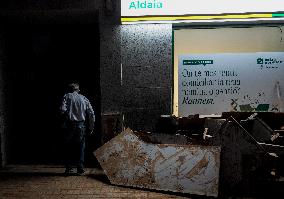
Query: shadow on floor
x=103, y=178
x=100, y=177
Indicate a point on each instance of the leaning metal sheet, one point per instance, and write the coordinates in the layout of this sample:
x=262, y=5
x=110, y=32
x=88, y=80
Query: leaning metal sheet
x=129, y=161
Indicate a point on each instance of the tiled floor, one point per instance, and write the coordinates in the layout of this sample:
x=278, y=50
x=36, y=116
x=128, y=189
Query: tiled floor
x=42, y=181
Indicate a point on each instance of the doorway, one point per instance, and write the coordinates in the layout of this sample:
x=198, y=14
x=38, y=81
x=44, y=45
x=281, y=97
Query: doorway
x=40, y=60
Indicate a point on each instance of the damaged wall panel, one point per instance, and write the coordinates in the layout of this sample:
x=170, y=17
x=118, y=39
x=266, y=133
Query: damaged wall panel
x=130, y=161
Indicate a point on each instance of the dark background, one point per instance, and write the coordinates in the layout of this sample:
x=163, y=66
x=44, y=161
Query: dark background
x=41, y=56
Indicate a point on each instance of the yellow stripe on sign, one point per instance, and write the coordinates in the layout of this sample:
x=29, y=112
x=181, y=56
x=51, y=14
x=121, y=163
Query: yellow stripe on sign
x=200, y=17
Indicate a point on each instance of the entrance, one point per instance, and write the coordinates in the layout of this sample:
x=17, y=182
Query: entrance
x=41, y=59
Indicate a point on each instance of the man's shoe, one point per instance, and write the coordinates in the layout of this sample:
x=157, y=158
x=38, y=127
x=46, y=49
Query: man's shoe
x=80, y=171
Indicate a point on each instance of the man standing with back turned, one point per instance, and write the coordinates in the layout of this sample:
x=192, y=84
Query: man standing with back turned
x=78, y=113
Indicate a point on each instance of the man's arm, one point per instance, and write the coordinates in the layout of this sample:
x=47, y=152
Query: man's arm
x=63, y=111
x=63, y=107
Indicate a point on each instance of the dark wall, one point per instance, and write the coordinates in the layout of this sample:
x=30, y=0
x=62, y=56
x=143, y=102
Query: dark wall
x=2, y=111
x=136, y=72
x=41, y=57
x=48, y=4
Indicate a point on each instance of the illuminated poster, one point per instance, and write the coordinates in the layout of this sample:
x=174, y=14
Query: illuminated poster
x=216, y=83
x=173, y=11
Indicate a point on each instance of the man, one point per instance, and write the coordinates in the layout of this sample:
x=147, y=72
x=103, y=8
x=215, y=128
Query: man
x=78, y=113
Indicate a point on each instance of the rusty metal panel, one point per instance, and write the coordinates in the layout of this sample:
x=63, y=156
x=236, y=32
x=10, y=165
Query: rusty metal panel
x=128, y=160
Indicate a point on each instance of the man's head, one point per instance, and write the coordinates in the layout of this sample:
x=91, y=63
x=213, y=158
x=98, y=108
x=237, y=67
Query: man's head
x=74, y=87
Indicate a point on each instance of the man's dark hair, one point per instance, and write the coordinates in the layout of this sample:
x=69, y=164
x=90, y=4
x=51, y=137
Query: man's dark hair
x=73, y=87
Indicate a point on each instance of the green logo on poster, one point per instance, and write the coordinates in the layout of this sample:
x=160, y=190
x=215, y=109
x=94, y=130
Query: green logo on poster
x=268, y=62
x=197, y=62
x=259, y=61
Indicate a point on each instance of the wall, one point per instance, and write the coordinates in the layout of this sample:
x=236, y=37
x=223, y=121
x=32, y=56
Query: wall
x=110, y=62
x=146, y=74
x=225, y=40
x=2, y=111
x=1, y=108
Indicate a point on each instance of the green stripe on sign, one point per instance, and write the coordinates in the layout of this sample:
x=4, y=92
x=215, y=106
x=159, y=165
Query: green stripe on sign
x=278, y=15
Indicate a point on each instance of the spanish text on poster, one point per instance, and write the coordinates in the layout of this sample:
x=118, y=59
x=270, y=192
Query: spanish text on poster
x=216, y=83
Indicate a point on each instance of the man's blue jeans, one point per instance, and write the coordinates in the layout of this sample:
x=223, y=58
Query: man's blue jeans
x=75, y=144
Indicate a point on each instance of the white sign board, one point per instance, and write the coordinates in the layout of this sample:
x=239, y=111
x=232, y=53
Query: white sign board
x=216, y=83
x=180, y=10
